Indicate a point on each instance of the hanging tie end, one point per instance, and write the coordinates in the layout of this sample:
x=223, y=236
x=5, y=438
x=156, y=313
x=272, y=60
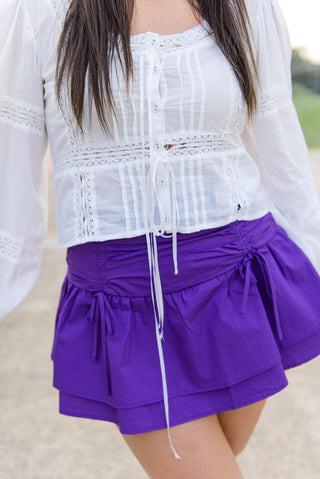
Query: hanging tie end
x=176, y=455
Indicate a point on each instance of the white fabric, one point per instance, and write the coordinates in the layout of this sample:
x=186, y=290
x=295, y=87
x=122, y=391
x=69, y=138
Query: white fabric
x=182, y=156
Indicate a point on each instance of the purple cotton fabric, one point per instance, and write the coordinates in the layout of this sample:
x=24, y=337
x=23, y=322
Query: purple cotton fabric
x=244, y=307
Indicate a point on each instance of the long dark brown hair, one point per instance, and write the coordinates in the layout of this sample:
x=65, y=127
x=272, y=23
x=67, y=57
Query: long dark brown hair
x=86, y=49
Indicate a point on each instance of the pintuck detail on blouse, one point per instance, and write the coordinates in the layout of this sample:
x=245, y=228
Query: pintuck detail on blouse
x=182, y=155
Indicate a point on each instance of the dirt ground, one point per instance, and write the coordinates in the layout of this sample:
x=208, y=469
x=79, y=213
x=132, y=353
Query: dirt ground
x=36, y=442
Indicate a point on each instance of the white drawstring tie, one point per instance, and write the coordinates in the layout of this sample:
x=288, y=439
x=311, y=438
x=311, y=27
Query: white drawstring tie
x=150, y=194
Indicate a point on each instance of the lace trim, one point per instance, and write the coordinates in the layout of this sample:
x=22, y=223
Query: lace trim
x=85, y=218
x=176, y=147
x=238, y=198
x=9, y=247
x=199, y=144
x=22, y=115
x=77, y=138
x=60, y=7
x=171, y=41
x=239, y=112
x=269, y=101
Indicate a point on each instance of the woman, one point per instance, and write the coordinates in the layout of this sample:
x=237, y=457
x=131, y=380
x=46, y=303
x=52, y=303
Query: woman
x=186, y=202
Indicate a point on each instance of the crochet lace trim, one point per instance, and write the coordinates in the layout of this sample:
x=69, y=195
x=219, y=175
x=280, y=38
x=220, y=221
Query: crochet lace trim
x=171, y=41
x=22, y=115
x=87, y=157
x=60, y=7
x=83, y=207
x=269, y=101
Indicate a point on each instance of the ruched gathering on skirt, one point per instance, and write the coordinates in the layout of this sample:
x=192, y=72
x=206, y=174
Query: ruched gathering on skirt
x=244, y=307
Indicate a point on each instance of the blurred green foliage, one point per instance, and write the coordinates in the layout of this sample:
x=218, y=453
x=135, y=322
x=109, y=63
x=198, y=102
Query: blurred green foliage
x=306, y=95
x=307, y=104
x=304, y=71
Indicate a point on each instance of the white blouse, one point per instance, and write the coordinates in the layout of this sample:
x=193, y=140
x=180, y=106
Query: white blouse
x=182, y=156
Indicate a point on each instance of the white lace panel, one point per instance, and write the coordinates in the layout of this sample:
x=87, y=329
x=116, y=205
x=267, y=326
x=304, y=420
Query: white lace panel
x=27, y=117
x=83, y=205
x=60, y=7
x=270, y=100
x=238, y=198
x=171, y=42
x=183, y=146
x=77, y=138
x=238, y=117
x=199, y=144
x=9, y=247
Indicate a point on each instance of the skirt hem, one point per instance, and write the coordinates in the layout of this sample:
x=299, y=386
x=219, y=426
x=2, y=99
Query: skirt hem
x=177, y=394
x=179, y=420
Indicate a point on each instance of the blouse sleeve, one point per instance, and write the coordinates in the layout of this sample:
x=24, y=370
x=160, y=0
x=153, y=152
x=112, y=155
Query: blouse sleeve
x=275, y=139
x=23, y=142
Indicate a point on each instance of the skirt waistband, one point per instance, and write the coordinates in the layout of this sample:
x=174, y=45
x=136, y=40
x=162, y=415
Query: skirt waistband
x=120, y=266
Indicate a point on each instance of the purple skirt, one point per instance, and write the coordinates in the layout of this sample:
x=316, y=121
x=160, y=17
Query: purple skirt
x=244, y=307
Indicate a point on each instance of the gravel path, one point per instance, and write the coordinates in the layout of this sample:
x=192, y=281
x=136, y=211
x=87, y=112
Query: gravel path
x=37, y=442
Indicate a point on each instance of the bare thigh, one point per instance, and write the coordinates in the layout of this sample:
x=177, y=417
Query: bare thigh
x=238, y=424
x=201, y=444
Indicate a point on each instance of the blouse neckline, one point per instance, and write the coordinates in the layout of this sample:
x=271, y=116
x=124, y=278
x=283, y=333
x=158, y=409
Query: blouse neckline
x=186, y=37
x=191, y=35
x=166, y=35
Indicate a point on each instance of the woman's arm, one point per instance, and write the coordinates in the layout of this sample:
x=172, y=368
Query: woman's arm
x=275, y=138
x=23, y=142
